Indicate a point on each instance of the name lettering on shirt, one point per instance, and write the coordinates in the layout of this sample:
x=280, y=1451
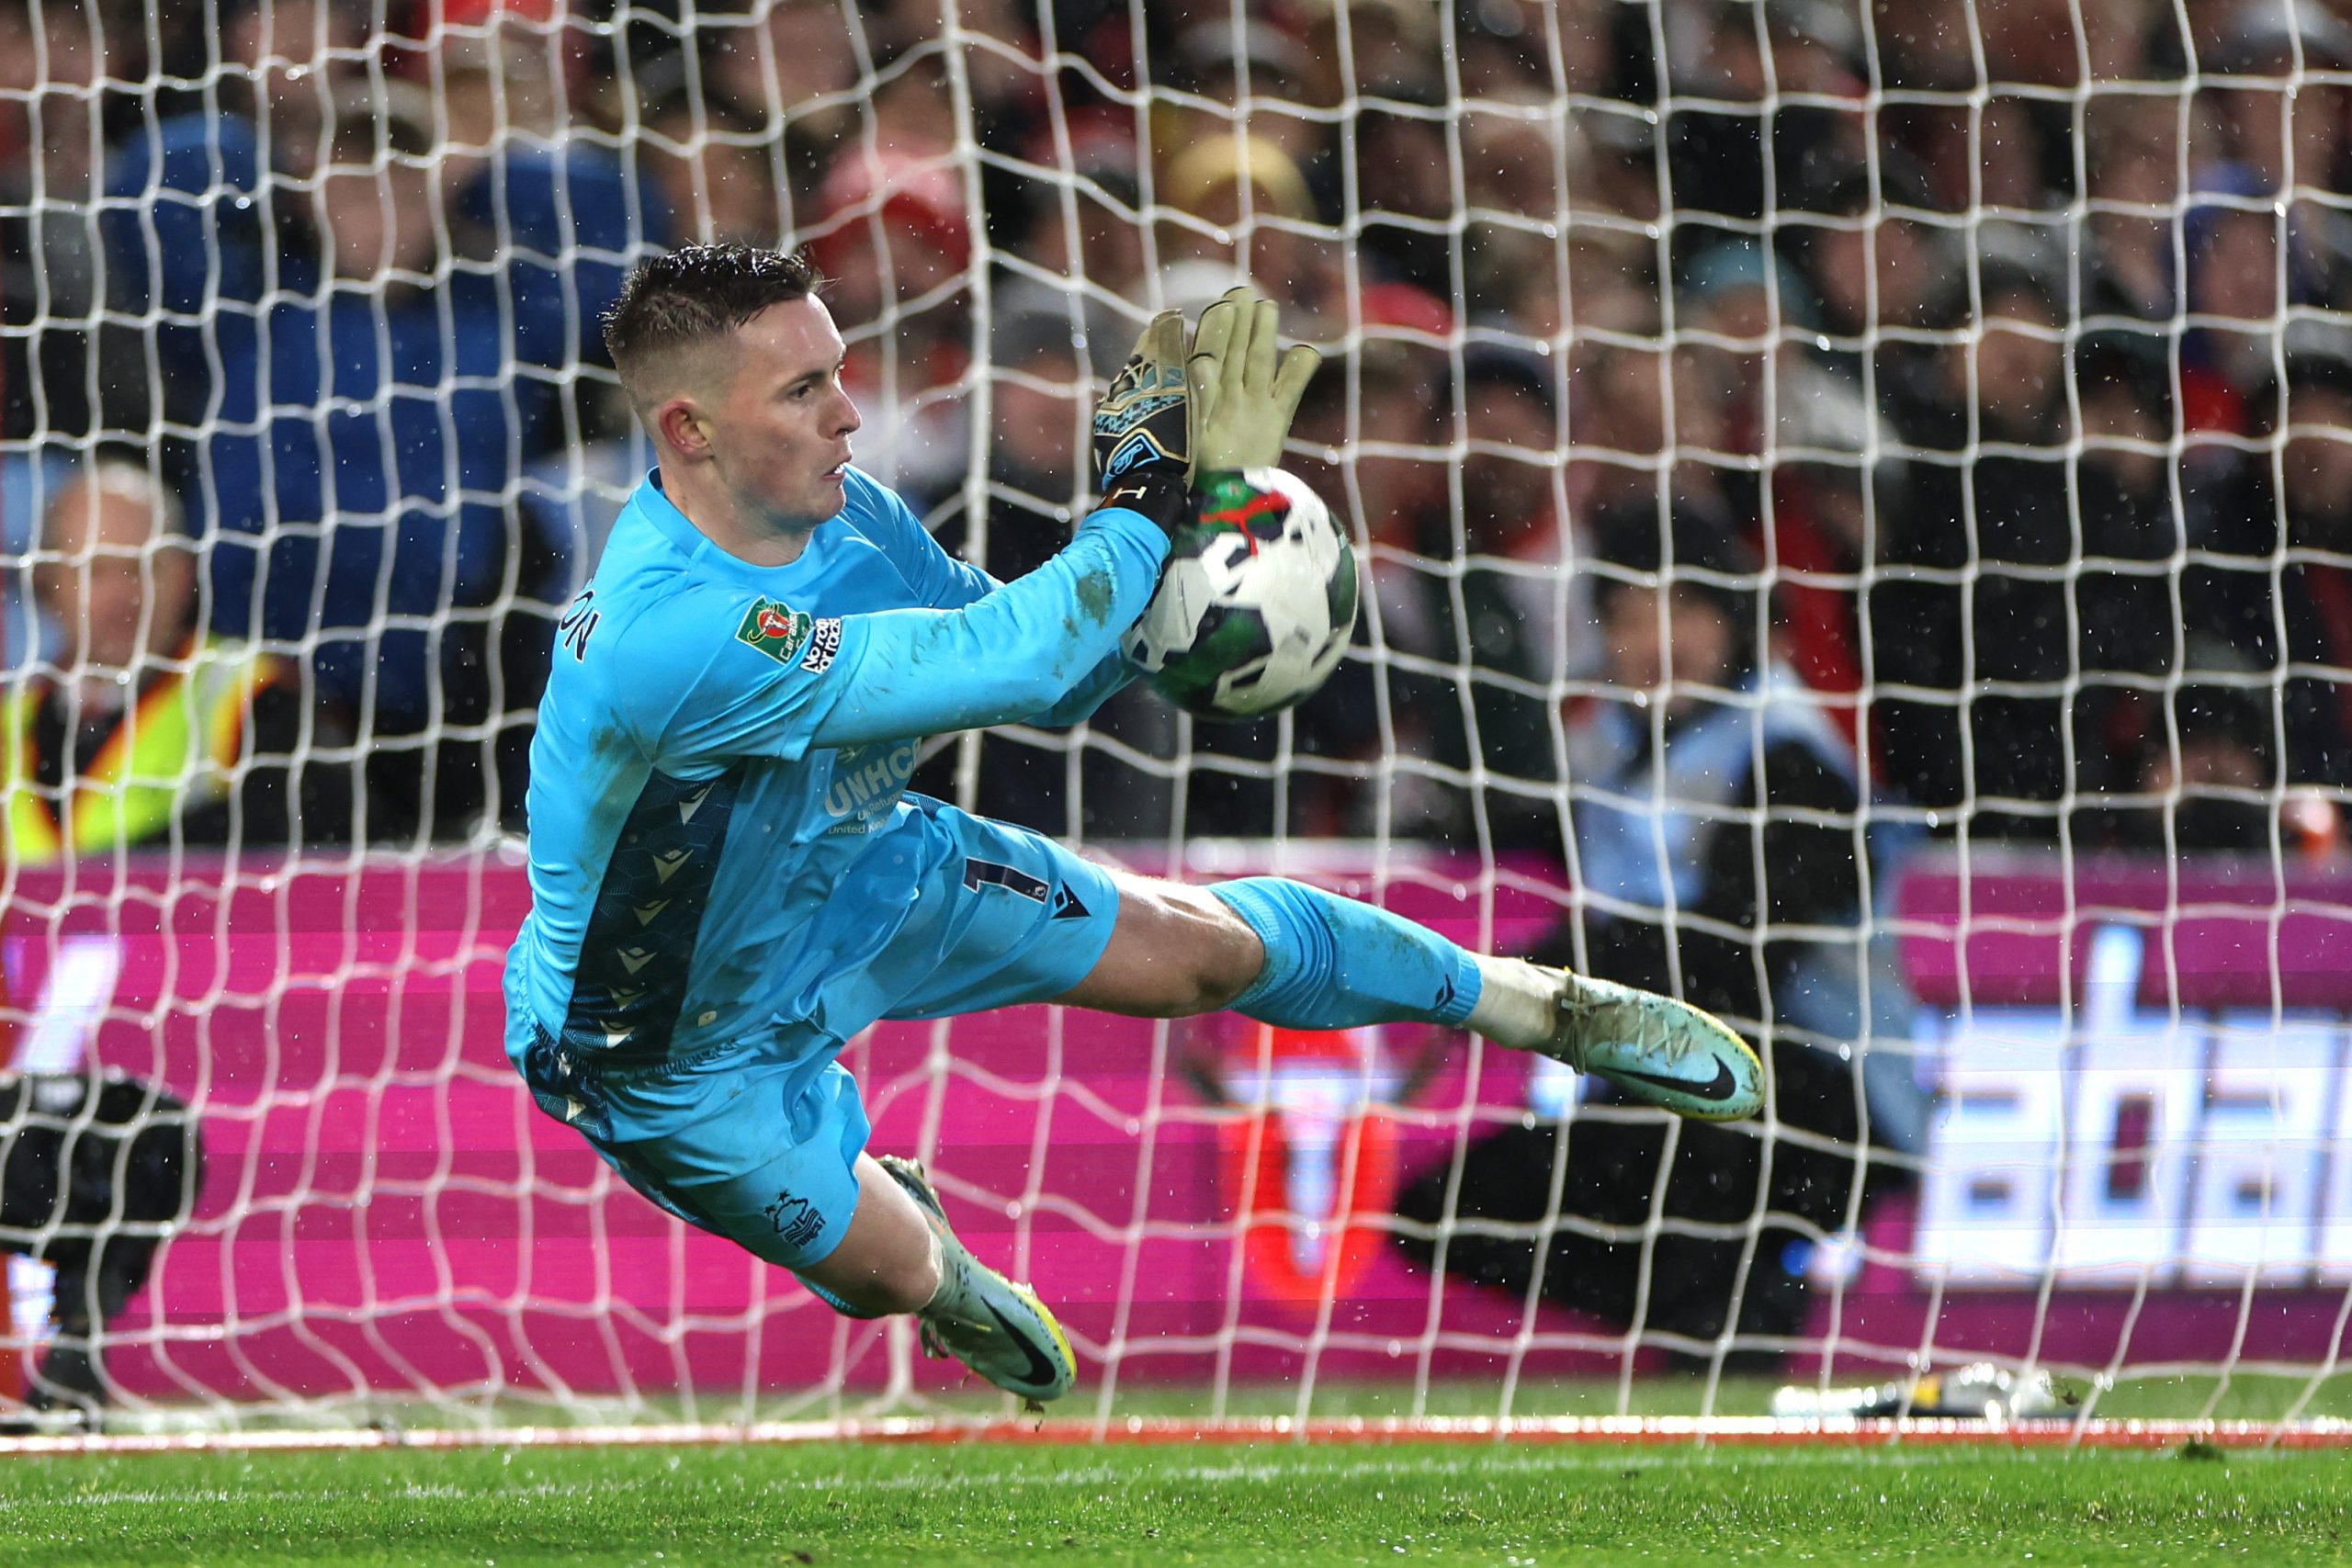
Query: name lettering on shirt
x=579, y=624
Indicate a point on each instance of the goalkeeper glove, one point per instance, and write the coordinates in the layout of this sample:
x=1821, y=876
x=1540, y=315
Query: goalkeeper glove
x=1243, y=400
x=1142, y=419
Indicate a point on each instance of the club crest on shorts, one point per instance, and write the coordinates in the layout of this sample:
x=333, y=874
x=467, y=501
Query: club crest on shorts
x=796, y=1219
x=777, y=630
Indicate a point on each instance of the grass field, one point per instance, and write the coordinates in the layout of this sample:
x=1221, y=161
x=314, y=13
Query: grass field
x=821, y=1504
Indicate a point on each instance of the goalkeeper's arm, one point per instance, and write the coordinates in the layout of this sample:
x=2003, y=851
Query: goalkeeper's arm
x=1036, y=648
x=693, y=681
x=1018, y=651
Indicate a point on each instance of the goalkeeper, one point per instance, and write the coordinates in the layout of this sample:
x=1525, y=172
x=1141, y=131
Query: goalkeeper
x=728, y=881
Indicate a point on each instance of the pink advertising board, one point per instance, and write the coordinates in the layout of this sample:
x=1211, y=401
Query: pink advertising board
x=385, y=1208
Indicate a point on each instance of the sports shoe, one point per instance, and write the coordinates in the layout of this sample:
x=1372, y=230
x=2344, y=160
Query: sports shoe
x=1657, y=1049
x=998, y=1328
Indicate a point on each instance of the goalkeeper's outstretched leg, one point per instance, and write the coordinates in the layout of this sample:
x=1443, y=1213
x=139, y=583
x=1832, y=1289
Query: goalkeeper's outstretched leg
x=901, y=1256
x=1295, y=956
x=750, y=1142
x=1288, y=955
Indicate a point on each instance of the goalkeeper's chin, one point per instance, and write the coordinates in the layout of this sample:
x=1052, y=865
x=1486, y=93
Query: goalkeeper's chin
x=823, y=498
x=833, y=489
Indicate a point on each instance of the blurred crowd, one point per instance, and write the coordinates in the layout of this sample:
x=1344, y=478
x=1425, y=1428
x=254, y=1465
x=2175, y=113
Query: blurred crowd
x=1773, y=429
x=2019, y=414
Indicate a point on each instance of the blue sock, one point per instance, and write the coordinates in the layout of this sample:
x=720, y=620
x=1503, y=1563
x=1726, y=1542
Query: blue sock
x=1332, y=962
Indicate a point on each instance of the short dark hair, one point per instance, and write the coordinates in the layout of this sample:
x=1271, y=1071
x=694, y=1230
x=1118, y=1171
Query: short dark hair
x=698, y=293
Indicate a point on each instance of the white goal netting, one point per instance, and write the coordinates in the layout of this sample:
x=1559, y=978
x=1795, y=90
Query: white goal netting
x=1855, y=507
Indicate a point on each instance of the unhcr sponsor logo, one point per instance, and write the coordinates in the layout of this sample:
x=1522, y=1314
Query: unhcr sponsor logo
x=867, y=782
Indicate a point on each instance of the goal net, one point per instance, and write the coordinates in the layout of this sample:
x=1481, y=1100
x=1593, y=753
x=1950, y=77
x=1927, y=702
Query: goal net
x=1856, y=513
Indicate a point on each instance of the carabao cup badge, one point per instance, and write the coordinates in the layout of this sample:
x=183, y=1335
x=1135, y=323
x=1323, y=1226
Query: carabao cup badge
x=777, y=630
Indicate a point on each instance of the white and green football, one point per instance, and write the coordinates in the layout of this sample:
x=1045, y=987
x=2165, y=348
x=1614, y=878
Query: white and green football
x=1256, y=603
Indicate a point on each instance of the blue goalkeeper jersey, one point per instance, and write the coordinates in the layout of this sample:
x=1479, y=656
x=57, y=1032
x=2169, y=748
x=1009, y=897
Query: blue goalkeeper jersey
x=718, y=842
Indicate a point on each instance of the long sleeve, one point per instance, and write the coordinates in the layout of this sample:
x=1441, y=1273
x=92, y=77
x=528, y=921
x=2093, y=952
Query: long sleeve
x=1102, y=683
x=702, y=680
x=1015, y=652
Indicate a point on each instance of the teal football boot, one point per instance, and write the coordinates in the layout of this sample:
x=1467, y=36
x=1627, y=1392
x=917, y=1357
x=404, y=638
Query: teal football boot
x=998, y=1328
x=1661, y=1050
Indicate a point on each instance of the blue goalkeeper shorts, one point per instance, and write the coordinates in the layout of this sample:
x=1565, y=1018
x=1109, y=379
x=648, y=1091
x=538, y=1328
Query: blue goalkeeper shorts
x=757, y=1140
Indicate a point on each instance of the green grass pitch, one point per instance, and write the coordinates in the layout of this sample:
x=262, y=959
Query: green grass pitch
x=1511, y=1505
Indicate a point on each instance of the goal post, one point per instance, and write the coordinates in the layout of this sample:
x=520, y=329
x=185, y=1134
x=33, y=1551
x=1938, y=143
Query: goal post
x=1857, y=530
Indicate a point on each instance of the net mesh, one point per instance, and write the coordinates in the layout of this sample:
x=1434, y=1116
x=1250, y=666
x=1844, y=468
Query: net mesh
x=1854, y=509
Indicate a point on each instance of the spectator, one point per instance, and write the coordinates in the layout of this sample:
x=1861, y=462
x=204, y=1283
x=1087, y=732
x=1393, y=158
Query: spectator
x=1971, y=610
x=1493, y=640
x=1810, y=515
x=2202, y=783
x=1730, y=138
x=1077, y=252
x=1404, y=190
x=1375, y=458
x=895, y=238
x=2238, y=592
x=1389, y=476
x=1873, y=267
x=2233, y=253
x=368, y=424
x=62, y=371
x=2127, y=265
x=498, y=80
x=146, y=731
x=1393, y=50
x=1733, y=382
x=204, y=201
x=798, y=61
x=1685, y=881
x=2283, y=131
x=1248, y=209
x=1510, y=46
x=1257, y=75
x=1818, y=515
x=712, y=169
x=2130, y=533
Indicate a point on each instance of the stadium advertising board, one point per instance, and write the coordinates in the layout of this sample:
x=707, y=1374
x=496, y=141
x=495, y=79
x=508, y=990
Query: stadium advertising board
x=2146, y=1086
x=2128, y=1109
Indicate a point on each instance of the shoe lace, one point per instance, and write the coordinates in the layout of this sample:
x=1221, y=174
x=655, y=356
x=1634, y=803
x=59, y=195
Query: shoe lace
x=1575, y=1012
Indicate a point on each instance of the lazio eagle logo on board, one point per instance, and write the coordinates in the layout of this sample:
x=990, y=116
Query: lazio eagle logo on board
x=777, y=630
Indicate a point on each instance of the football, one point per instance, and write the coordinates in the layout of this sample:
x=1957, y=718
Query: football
x=1256, y=603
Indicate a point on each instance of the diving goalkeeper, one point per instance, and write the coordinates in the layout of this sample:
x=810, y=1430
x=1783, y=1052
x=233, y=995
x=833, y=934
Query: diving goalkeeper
x=729, y=880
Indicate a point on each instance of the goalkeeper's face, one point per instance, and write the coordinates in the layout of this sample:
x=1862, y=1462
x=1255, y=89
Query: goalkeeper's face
x=780, y=431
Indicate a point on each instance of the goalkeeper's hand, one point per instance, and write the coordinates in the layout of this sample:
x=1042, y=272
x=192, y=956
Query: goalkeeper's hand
x=1143, y=418
x=1243, y=397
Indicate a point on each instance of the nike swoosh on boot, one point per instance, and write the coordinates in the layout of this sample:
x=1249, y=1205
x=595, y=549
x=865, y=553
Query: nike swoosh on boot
x=1717, y=1089
x=1042, y=1372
